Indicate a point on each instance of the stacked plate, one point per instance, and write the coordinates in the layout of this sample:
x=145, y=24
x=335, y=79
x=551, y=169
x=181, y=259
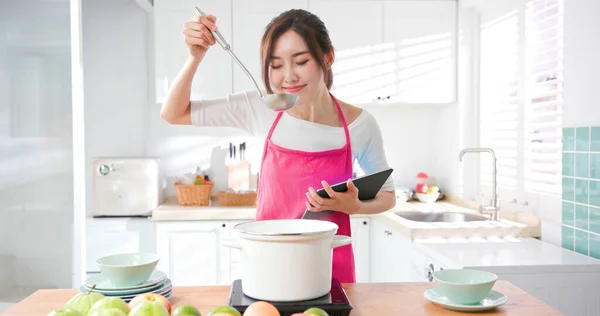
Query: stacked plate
x=157, y=283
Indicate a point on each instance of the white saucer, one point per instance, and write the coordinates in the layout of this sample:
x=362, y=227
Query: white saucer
x=493, y=300
x=103, y=283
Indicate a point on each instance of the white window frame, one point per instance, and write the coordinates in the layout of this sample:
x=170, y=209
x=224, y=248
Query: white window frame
x=514, y=199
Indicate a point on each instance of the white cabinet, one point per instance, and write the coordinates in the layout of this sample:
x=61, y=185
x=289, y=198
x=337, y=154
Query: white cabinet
x=390, y=255
x=250, y=18
x=422, y=37
x=192, y=252
x=407, y=51
x=361, y=227
x=213, y=78
x=107, y=236
x=385, y=51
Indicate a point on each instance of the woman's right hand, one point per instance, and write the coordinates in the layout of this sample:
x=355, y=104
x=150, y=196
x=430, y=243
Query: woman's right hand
x=198, y=36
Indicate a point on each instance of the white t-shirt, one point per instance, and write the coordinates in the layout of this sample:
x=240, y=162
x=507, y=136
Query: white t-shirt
x=245, y=110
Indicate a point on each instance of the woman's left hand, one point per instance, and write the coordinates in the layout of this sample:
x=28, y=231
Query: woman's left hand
x=346, y=202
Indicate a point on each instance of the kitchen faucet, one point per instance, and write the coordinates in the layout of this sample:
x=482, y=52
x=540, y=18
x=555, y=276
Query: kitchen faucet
x=494, y=208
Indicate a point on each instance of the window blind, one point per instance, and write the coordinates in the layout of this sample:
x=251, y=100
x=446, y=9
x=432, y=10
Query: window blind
x=521, y=97
x=543, y=105
x=499, y=98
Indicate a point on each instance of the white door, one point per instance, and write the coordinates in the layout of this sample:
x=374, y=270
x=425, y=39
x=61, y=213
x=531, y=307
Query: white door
x=360, y=245
x=213, y=78
x=250, y=18
x=191, y=252
x=421, y=35
x=355, y=29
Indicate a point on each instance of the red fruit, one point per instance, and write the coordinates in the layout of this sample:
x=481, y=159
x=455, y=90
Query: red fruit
x=421, y=188
x=422, y=175
x=150, y=297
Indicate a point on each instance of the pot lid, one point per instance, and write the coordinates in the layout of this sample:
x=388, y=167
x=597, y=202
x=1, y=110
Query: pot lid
x=287, y=227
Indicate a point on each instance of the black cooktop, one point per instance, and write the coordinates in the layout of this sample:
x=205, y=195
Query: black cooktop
x=335, y=303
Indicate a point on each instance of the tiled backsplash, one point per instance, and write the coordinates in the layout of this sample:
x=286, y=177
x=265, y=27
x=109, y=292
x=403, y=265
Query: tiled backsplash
x=581, y=190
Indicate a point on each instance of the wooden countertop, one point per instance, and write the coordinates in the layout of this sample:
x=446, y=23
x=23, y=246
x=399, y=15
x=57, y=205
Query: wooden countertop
x=368, y=299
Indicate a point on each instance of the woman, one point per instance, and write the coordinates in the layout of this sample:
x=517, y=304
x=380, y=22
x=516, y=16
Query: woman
x=306, y=147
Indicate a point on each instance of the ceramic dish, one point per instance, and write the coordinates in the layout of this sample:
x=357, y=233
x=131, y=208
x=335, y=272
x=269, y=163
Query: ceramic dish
x=102, y=283
x=154, y=288
x=493, y=300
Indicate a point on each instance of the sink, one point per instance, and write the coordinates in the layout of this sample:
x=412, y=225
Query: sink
x=449, y=217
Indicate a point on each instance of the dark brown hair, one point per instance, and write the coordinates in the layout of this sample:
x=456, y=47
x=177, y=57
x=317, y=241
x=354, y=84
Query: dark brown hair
x=310, y=28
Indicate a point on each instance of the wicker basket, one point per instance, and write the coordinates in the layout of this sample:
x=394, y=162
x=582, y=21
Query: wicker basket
x=237, y=199
x=194, y=194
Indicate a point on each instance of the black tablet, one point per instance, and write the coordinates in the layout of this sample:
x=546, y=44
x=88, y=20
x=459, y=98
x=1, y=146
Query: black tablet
x=367, y=185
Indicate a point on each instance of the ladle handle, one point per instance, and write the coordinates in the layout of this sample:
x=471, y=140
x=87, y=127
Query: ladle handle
x=219, y=38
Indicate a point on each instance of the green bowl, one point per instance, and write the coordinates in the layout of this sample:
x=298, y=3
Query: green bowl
x=464, y=286
x=128, y=269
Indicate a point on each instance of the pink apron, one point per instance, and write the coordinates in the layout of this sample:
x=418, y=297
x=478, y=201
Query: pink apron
x=287, y=174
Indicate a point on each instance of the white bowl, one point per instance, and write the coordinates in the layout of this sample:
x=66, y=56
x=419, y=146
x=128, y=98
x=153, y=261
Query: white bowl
x=128, y=269
x=427, y=198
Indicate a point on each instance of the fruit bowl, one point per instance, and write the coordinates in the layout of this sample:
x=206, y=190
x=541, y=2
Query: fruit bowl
x=128, y=269
x=428, y=197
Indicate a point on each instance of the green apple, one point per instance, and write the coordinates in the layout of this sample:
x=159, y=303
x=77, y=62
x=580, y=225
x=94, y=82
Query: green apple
x=65, y=312
x=224, y=310
x=315, y=311
x=106, y=312
x=83, y=302
x=110, y=302
x=186, y=310
x=149, y=308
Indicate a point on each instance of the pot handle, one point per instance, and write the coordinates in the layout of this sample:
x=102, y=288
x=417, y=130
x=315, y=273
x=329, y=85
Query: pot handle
x=339, y=240
x=231, y=243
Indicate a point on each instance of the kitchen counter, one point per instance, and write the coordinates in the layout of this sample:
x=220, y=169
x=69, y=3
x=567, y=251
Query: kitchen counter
x=508, y=255
x=513, y=223
x=368, y=299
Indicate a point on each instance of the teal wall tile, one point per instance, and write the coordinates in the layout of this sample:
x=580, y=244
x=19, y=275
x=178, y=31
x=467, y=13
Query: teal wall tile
x=581, y=165
x=568, y=189
x=568, y=164
x=581, y=217
x=594, y=220
x=568, y=213
x=594, y=166
x=582, y=241
x=568, y=238
x=595, y=246
x=595, y=193
x=581, y=191
x=568, y=139
x=582, y=139
x=595, y=139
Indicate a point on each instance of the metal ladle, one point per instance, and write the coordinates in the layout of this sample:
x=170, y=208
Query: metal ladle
x=275, y=102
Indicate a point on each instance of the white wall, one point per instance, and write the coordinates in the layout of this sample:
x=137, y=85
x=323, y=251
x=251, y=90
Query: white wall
x=581, y=62
x=116, y=74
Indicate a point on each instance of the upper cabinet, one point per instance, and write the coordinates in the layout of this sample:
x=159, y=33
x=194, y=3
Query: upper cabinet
x=250, y=18
x=401, y=51
x=213, y=78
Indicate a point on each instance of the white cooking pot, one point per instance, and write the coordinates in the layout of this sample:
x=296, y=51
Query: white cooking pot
x=288, y=259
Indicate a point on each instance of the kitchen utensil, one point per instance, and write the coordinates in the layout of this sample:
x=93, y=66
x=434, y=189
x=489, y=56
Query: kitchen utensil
x=368, y=186
x=493, y=300
x=286, y=259
x=464, y=286
x=102, y=283
x=128, y=269
x=276, y=102
x=335, y=302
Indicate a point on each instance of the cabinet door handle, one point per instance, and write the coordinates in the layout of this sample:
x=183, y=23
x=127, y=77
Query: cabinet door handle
x=223, y=225
x=364, y=222
x=429, y=273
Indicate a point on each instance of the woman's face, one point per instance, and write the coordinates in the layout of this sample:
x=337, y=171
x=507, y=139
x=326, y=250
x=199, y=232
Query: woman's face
x=293, y=70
